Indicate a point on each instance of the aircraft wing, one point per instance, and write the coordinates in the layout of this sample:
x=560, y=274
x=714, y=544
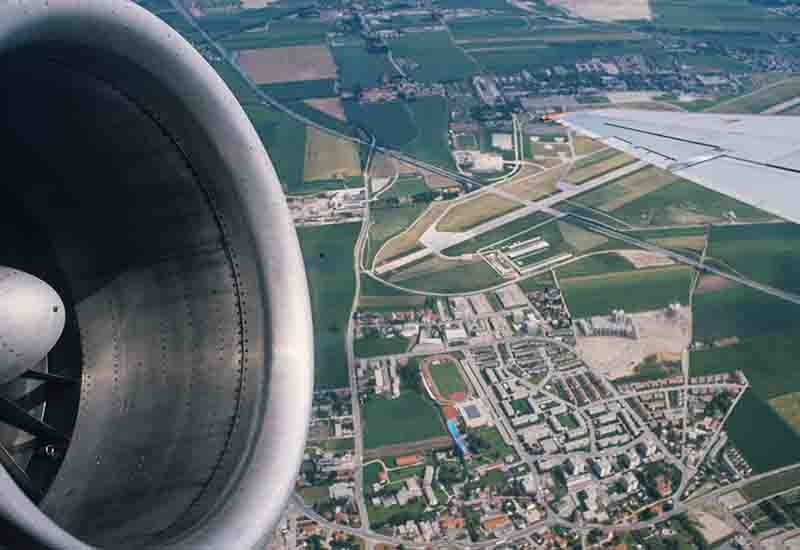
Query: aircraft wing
x=752, y=158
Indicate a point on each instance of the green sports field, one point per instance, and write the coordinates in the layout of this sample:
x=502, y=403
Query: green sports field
x=447, y=378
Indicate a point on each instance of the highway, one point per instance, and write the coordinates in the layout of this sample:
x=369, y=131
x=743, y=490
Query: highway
x=612, y=233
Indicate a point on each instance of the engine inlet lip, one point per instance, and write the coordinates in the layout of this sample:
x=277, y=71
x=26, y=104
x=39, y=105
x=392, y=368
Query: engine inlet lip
x=260, y=488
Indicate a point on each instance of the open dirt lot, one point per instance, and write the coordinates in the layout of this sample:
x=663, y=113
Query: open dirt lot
x=328, y=157
x=290, y=64
x=329, y=105
x=642, y=259
x=712, y=528
x=658, y=335
x=611, y=356
x=606, y=10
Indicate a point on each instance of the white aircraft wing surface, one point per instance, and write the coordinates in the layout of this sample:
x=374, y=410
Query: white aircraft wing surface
x=752, y=158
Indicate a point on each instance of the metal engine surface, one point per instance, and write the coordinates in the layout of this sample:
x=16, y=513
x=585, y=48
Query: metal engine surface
x=146, y=228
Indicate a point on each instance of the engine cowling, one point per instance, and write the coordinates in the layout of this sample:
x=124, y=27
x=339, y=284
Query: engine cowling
x=137, y=188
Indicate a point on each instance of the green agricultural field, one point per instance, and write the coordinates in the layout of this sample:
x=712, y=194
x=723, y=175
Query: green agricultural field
x=595, y=264
x=626, y=189
x=767, y=253
x=475, y=211
x=405, y=186
x=285, y=139
x=447, y=378
x=599, y=164
x=435, y=55
x=411, y=417
x=633, y=291
x=569, y=35
x=374, y=346
x=762, y=100
x=389, y=222
x=728, y=16
x=499, y=234
x=370, y=288
x=772, y=445
x=515, y=57
x=431, y=117
x=231, y=23
x=496, y=5
x=777, y=483
x=359, y=68
x=281, y=33
x=299, y=90
x=769, y=361
x=740, y=311
x=338, y=444
x=592, y=99
x=329, y=158
x=684, y=202
x=328, y=256
x=461, y=277
x=465, y=28
x=382, y=304
x=688, y=240
x=324, y=119
x=391, y=122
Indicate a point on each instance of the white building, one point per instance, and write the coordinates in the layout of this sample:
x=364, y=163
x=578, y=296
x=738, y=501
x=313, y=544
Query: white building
x=602, y=467
x=631, y=482
x=503, y=141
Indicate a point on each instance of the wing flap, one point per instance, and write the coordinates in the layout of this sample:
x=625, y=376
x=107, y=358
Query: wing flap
x=754, y=159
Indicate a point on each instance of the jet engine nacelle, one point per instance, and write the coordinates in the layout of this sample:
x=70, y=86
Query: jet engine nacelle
x=136, y=187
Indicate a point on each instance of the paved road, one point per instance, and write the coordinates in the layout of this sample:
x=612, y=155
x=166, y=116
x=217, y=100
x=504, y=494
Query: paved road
x=351, y=358
x=680, y=508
